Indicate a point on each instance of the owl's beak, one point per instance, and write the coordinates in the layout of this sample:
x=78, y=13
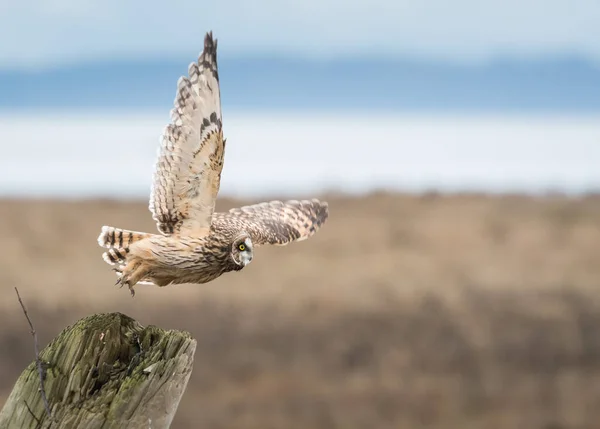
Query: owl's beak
x=246, y=259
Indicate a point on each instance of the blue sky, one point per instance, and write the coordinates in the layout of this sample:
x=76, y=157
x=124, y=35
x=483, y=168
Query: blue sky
x=48, y=33
x=474, y=55
x=288, y=66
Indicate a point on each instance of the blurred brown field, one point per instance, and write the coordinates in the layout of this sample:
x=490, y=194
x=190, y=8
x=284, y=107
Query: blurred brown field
x=404, y=311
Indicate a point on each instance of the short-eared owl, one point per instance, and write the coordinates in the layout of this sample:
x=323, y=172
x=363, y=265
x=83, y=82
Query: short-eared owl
x=196, y=245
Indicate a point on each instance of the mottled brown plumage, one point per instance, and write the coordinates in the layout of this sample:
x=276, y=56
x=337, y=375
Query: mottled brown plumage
x=188, y=171
x=195, y=244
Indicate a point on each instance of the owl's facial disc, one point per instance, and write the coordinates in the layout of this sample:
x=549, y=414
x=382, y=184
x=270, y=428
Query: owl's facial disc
x=242, y=251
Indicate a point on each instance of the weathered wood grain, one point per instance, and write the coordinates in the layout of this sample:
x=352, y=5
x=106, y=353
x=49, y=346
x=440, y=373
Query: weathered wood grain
x=105, y=371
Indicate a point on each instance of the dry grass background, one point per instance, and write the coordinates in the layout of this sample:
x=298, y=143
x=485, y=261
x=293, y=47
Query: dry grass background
x=405, y=311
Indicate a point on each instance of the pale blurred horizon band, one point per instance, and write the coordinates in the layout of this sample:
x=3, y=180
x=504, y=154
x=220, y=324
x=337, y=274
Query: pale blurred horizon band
x=99, y=155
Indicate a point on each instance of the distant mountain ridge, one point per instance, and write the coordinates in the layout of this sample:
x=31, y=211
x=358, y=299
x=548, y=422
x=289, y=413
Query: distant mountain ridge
x=562, y=84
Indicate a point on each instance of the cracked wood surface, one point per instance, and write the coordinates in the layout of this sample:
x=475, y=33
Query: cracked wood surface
x=105, y=371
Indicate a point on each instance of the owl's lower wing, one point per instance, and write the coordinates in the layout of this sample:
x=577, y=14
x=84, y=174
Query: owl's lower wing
x=276, y=222
x=188, y=170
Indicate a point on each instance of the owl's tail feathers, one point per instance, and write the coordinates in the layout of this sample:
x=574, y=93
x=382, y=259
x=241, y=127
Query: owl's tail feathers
x=117, y=241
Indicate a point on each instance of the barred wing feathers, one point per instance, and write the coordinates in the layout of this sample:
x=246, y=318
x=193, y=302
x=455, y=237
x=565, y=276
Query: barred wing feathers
x=188, y=170
x=276, y=222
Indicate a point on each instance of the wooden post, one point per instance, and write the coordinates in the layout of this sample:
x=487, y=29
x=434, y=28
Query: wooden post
x=105, y=371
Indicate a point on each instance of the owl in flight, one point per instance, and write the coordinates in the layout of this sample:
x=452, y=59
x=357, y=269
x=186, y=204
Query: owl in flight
x=195, y=244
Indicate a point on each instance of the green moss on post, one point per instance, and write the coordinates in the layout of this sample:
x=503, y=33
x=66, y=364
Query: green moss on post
x=105, y=371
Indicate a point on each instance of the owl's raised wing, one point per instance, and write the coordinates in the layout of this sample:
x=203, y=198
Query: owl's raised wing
x=187, y=175
x=276, y=222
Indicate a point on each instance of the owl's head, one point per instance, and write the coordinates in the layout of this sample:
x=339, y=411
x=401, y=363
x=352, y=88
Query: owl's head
x=241, y=250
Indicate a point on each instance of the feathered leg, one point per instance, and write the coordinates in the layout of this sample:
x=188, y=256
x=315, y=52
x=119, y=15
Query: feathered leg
x=132, y=273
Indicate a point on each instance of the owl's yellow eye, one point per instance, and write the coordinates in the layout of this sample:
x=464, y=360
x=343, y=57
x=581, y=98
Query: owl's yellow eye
x=242, y=247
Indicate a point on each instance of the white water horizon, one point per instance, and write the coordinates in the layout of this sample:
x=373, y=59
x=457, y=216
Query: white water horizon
x=86, y=155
